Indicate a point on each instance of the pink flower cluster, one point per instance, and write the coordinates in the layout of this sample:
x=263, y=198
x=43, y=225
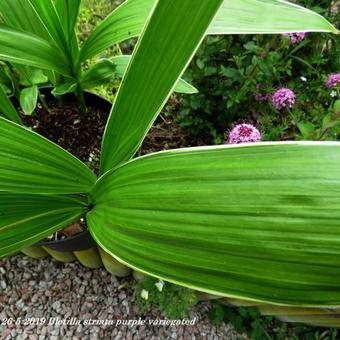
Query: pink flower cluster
x=333, y=80
x=244, y=133
x=282, y=98
x=295, y=37
x=261, y=95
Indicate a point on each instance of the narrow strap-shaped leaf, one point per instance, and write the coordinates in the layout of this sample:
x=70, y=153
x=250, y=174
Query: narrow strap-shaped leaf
x=125, y=22
x=30, y=163
x=121, y=62
x=171, y=38
x=258, y=222
x=7, y=109
x=24, y=48
x=49, y=17
x=233, y=17
x=27, y=219
x=21, y=15
x=68, y=14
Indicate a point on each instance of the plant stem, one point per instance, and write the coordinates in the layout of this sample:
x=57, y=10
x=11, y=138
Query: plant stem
x=43, y=101
x=80, y=96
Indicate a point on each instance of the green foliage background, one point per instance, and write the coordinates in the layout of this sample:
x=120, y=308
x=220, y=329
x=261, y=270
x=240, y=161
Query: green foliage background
x=227, y=70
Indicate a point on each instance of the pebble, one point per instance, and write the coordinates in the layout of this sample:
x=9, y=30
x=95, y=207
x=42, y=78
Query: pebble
x=45, y=289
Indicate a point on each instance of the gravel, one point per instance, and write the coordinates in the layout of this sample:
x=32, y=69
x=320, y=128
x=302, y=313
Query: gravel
x=45, y=299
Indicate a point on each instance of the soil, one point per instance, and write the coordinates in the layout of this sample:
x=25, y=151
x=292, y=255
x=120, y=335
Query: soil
x=81, y=134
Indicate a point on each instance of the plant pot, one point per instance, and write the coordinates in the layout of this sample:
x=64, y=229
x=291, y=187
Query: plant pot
x=201, y=296
x=112, y=265
x=138, y=276
x=79, y=247
x=35, y=252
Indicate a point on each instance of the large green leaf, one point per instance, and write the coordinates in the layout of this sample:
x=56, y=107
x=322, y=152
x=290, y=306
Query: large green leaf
x=30, y=163
x=234, y=17
x=49, y=17
x=171, y=38
x=257, y=222
x=21, y=15
x=26, y=219
x=68, y=14
x=266, y=16
x=25, y=48
x=7, y=109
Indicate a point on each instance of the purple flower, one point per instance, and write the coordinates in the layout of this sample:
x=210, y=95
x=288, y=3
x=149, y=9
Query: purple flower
x=295, y=37
x=244, y=133
x=261, y=95
x=333, y=80
x=282, y=98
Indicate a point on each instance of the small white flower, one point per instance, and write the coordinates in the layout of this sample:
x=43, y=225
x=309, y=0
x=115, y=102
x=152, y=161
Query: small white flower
x=159, y=285
x=303, y=78
x=333, y=94
x=144, y=294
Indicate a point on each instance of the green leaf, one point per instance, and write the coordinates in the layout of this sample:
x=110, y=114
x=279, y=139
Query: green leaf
x=21, y=15
x=68, y=14
x=28, y=49
x=183, y=86
x=233, y=17
x=27, y=219
x=336, y=107
x=307, y=129
x=6, y=78
x=122, y=61
x=100, y=73
x=126, y=21
x=50, y=19
x=28, y=99
x=31, y=75
x=257, y=222
x=30, y=163
x=171, y=38
x=7, y=109
x=266, y=16
x=67, y=86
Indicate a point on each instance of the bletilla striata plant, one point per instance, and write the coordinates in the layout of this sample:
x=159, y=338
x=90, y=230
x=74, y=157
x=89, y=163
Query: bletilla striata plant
x=253, y=221
x=36, y=34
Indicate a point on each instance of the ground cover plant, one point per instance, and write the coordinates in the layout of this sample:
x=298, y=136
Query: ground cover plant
x=271, y=207
x=237, y=76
